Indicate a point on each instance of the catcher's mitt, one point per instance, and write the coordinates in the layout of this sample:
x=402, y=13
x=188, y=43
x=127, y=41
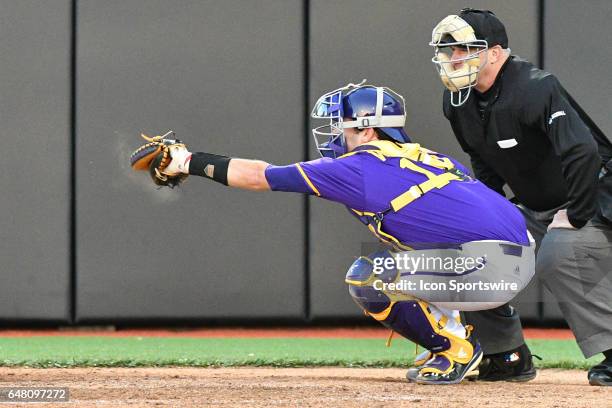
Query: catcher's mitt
x=155, y=156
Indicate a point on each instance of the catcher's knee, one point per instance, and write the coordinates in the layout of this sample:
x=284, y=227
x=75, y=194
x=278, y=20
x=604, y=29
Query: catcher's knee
x=360, y=277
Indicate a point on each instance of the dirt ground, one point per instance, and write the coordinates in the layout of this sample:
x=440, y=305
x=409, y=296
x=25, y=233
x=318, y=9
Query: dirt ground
x=303, y=387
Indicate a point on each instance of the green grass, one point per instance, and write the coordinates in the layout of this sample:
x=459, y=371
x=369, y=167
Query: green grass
x=216, y=352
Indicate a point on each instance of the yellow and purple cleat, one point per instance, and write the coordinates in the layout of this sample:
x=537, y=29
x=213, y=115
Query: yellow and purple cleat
x=442, y=369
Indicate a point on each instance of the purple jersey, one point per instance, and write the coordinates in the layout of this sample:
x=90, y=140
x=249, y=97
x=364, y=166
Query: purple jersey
x=461, y=211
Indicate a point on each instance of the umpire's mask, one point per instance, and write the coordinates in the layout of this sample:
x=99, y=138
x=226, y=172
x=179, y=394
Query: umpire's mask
x=453, y=31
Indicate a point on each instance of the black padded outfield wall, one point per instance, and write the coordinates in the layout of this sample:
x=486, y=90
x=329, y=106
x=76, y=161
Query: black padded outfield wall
x=234, y=77
x=35, y=166
x=388, y=46
x=226, y=80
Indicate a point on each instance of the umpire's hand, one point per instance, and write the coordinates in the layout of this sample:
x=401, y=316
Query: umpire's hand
x=560, y=221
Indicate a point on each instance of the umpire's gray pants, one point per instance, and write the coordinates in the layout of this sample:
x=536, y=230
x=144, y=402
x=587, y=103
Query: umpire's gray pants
x=576, y=266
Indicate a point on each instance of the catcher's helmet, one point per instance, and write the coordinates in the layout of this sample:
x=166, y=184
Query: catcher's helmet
x=358, y=106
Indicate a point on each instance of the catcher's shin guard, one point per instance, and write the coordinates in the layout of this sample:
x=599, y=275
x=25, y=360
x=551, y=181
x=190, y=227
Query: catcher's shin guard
x=453, y=358
x=412, y=319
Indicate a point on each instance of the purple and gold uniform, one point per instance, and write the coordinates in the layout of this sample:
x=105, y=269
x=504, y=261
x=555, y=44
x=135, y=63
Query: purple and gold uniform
x=367, y=181
x=412, y=199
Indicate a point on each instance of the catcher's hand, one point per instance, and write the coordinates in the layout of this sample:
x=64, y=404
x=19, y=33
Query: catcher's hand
x=164, y=159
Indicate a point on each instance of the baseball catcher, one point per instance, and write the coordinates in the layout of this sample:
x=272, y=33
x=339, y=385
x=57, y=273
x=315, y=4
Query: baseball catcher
x=421, y=204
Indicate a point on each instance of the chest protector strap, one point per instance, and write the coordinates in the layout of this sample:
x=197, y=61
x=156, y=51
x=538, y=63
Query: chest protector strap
x=413, y=156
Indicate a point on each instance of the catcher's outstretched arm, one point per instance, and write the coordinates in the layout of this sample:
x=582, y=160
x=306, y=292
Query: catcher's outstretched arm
x=247, y=174
x=233, y=172
x=257, y=175
x=169, y=162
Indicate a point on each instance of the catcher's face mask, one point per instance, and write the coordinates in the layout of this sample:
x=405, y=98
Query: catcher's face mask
x=365, y=106
x=458, y=74
x=329, y=139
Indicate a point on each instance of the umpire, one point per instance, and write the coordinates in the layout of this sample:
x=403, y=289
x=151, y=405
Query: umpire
x=520, y=127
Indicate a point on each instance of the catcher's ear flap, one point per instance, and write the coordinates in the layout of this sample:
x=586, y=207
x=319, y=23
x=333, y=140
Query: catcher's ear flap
x=144, y=155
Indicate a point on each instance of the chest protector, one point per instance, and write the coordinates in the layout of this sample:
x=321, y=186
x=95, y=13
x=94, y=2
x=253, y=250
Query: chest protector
x=413, y=157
